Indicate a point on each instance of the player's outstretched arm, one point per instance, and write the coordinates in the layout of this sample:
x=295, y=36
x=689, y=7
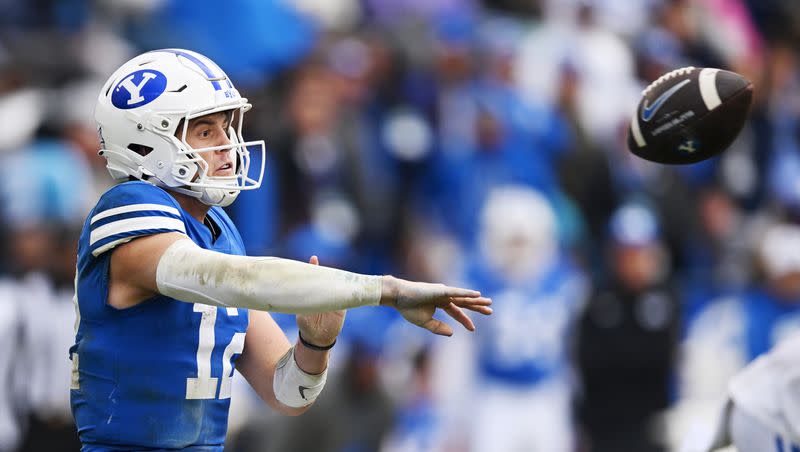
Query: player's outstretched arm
x=189, y=273
x=175, y=266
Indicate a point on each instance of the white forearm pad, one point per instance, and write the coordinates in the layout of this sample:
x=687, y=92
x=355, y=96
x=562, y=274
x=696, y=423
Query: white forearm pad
x=189, y=273
x=293, y=387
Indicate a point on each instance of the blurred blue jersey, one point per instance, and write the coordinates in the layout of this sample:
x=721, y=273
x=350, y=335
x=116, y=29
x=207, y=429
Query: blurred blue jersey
x=157, y=375
x=525, y=341
x=769, y=321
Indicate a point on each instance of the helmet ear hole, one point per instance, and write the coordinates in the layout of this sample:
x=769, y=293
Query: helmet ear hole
x=140, y=149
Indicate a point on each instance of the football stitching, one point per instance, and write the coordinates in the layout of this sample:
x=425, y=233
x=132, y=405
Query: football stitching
x=667, y=76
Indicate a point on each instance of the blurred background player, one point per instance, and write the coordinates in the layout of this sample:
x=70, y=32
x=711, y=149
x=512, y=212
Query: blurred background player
x=524, y=383
x=763, y=414
x=628, y=338
x=766, y=395
x=760, y=328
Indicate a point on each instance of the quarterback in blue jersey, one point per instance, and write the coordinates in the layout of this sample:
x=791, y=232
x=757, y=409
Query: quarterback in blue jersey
x=168, y=305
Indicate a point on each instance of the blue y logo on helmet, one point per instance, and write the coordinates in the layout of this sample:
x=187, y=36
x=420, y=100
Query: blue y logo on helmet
x=139, y=88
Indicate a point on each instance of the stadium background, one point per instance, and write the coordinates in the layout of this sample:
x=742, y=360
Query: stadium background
x=391, y=126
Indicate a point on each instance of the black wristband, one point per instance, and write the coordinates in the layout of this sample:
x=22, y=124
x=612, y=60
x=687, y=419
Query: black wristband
x=315, y=347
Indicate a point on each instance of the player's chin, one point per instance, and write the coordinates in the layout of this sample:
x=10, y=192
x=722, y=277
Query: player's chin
x=223, y=173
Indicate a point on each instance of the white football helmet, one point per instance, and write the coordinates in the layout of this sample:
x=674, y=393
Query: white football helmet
x=140, y=109
x=519, y=232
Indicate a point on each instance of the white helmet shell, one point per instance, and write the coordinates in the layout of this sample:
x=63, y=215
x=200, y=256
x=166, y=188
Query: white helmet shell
x=518, y=234
x=139, y=111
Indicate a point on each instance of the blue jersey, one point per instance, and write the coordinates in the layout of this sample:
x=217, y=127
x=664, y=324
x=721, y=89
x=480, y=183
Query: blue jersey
x=526, y=339
x=156, y=375
x=768, y=321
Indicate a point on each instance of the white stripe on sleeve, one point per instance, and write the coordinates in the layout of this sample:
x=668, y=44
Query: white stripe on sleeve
x=110, y=245
x=135, y=224
x=134, y=208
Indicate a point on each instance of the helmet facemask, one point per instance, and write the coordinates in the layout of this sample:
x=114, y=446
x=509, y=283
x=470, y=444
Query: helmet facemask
x=193, y=172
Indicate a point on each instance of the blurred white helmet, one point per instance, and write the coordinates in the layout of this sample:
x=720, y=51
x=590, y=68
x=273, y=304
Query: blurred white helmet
x=779, y=250
x=518, y=232
x=140, y=109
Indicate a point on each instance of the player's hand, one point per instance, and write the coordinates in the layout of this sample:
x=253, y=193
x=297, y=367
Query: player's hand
x=320, y=329
x=417, y=302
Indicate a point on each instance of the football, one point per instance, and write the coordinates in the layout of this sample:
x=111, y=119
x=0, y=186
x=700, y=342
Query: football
x=689, y=115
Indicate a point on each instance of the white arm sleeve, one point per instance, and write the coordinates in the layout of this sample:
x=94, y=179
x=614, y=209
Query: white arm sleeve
x=192, y=274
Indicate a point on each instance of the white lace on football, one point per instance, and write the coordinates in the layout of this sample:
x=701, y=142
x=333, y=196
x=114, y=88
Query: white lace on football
x=667, y=76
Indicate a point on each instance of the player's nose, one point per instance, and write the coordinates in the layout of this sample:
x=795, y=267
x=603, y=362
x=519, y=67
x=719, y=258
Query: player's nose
x=224, y=140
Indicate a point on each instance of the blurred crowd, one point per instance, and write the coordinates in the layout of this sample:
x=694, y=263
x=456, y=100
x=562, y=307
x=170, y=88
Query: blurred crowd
x=472, y=142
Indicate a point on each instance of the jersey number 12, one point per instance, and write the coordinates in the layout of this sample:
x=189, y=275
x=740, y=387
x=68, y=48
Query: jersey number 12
x=205, y=386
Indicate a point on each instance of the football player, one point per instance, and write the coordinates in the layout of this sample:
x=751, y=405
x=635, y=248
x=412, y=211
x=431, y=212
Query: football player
x=523, y=394
x=167, y=303
x=762, y=411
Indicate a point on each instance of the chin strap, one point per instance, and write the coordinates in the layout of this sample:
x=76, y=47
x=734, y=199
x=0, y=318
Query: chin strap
x=208, y=196
x=217, y=196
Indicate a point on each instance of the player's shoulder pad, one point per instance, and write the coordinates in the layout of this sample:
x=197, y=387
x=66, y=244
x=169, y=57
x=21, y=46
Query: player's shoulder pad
x=130, y=210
